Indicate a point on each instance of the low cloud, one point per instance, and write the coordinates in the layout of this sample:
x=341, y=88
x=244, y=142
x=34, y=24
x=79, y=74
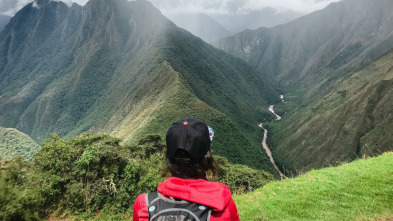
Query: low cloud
x=238, y=6
x=302, y=6
x=10, y=7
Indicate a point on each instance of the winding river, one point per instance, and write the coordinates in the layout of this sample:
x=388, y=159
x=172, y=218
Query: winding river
x=264, y=144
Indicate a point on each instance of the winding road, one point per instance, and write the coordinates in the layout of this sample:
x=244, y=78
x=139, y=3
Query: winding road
x=264, y=144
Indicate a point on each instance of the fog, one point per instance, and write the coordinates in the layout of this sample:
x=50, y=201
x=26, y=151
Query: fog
x=213, y=19
x=170, y=7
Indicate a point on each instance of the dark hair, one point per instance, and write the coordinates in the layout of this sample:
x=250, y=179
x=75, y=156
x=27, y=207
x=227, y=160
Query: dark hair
x=188, y=170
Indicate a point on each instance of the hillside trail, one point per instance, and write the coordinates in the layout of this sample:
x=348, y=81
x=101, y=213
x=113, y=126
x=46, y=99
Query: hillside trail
x=264, y=144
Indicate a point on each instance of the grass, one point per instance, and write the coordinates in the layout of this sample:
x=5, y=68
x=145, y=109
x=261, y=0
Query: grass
x=361, y=190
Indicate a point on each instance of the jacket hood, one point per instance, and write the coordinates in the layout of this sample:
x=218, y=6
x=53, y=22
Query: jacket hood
x=212, y=194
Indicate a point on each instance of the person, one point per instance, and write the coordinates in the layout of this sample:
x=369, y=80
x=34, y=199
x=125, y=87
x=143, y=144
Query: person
x=188, y=159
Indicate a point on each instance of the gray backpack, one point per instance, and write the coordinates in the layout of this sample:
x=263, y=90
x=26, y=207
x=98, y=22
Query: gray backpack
x=170, y=209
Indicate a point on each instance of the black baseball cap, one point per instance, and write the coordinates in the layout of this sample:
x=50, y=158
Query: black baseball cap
x=191, y=135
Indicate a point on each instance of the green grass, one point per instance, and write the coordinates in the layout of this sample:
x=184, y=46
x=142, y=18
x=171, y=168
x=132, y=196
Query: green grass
x=361, y=190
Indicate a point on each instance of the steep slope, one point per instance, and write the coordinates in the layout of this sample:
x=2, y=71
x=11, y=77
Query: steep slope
x=313, y=51
x=120, y=67
x=312, y=60
x=353, y=120
x=201, y=25
x=15, y=143
x=4, y=19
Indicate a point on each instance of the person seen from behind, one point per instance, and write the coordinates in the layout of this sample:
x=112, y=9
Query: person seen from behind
x=187, y=194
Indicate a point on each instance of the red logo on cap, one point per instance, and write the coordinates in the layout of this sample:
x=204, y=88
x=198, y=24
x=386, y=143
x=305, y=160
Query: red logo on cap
x=185, y=123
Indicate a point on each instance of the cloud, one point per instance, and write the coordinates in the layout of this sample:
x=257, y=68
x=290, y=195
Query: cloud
x=238, y=6
x=10, y=7
x=303, y=6
x=193, y=6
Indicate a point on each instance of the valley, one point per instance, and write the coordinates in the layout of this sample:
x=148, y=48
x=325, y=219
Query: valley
x=307, y=59
x=87, y=94
x=130, y=73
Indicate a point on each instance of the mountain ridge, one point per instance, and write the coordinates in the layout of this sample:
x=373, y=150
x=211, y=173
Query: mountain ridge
x=308, y=48
x=306, y=60
x=105, y=60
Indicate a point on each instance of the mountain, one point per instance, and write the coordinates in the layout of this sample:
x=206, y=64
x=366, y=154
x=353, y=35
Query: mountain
x=338, y=101
x=266, y=17
x=201, y=25
x=310, y=53
x=4, y=19
x=15, y=143
x=354, y=119
x=121, y=67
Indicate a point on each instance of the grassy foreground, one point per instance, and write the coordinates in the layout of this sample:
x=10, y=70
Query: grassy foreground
x=361, y=190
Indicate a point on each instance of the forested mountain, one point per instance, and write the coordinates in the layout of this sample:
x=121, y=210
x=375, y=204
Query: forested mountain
x=315, y=50
x=338, y=107
x=121, y=67
x=352, y=121
x=4, y=19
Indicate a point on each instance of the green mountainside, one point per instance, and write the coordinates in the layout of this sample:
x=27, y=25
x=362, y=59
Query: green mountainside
x=15, y=143
x=352, y=120
x=310, y=53
x=121, y=67
x=361, y=190
x=336, y=108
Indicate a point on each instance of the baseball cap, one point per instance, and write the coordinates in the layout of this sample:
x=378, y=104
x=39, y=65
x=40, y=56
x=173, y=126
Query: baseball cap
x=190, y=135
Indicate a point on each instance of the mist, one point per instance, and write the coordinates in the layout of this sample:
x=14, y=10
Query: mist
x=214, y=19
x=171, y=7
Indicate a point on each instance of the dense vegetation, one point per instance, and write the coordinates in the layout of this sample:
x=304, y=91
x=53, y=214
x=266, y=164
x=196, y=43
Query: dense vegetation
x=361, y=190
x=15, y=143
x=95, y=176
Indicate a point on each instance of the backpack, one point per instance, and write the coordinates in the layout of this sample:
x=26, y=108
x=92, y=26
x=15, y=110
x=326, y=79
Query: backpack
x=169, y=209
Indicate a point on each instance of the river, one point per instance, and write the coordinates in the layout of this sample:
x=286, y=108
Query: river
x=264, y=144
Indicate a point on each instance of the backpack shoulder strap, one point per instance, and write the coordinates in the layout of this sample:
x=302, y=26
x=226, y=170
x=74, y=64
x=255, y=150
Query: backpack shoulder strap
x=151, y=198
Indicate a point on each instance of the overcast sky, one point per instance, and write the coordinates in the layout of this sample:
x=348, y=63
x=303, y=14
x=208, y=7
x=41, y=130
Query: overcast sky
x=10, y=7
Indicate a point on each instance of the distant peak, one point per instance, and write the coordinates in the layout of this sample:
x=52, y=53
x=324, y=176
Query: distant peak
x=38, y=3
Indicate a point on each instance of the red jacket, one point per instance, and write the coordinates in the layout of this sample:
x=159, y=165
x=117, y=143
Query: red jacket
x=211, y=194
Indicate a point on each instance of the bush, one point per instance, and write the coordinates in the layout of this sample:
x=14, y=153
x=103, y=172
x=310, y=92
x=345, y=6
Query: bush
x=95, y=176
x=241, y=178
